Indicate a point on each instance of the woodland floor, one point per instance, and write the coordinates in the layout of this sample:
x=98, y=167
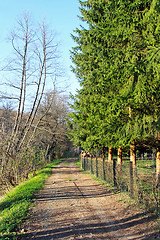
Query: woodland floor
x=74, y=206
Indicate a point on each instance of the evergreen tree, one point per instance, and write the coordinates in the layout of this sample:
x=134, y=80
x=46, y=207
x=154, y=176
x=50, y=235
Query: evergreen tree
x=117, y=62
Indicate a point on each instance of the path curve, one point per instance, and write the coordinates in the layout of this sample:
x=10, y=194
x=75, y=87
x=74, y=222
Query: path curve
x=73, y=206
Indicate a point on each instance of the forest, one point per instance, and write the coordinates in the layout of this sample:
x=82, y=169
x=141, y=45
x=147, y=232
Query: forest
x=117, y=62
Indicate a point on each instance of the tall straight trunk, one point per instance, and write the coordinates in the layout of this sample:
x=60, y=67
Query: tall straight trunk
x=133, y=154
x=158, y=166
x=110, y=154
x=22, y=93
x=119, y=156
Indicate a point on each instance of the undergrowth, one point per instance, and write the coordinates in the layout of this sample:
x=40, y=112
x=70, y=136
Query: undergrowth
x=14, y=208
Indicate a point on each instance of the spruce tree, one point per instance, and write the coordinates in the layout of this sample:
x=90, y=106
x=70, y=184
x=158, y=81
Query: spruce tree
x=117, y=62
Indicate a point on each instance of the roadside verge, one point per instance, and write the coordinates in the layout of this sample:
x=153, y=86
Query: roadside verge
x=14, y=208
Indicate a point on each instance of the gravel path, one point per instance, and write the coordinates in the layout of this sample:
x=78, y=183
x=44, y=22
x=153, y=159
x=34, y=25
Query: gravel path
x=73, y=206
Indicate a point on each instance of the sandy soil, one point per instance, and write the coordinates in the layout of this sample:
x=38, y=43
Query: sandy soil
x=73, y=206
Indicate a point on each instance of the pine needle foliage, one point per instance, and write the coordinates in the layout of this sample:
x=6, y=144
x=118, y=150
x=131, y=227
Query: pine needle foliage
x=117, y=61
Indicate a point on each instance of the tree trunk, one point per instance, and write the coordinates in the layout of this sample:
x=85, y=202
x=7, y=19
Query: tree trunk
x=158, y=166
x=133, y=154
x=119, y=156
x=109, y=154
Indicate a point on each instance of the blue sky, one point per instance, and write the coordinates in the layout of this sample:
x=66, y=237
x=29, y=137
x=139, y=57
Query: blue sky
x=61, y=16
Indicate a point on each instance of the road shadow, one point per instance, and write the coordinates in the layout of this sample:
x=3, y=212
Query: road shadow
x=71, y=192
x=96, y=229
x=87, y=226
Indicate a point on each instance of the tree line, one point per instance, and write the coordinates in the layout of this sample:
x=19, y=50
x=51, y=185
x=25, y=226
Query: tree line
x=32, y=113
x=117, y=62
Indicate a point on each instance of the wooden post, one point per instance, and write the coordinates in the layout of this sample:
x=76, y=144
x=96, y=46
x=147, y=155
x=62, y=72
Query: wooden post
x=81, y=156
x=119, y=164
x=131, y=178
x=110, y=165
x=158, y=166
x=87, y=168
x=132, y=166
x=103, y=153
x=103, y=157
x=119, y=156
x=109, y=154
x=84, y=163
x=96, y=166
x=91, y=164
x=114, y=172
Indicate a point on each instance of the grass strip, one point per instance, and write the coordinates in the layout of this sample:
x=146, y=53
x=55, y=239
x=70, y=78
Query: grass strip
x=78, y=163
x=14, y=208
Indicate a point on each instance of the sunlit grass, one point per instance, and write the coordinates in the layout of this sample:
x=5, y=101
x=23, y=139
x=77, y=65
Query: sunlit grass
x=78, y=164
x=14, y=208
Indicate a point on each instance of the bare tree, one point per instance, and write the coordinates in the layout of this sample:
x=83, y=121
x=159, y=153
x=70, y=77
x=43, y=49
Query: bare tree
x=31, y=70
x=34, y=64
x=51, y=130
x=7, y=116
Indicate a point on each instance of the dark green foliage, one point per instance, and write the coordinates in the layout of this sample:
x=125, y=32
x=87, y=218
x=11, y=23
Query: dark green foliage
x=117, y=62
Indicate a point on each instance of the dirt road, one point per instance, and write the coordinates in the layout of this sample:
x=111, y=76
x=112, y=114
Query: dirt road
x=73, y=206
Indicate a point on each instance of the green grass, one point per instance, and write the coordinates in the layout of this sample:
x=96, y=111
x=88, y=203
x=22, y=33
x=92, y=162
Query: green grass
x=78, y=164
x=14, y=208
x=145, y=191
x=67, y=163
x=146, y=165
